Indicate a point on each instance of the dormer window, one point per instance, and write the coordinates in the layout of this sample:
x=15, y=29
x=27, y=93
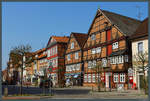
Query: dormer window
x=93, y=37
x=72, y=45
x=115, y=45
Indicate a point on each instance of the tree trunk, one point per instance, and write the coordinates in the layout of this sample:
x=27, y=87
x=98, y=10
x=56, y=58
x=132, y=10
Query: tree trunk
x=99, y=89
x=21, y=80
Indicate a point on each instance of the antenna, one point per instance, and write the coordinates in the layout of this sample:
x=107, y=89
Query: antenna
x=139, y=12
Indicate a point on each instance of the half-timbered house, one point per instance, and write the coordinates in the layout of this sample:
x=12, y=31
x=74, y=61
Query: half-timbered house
x=55, y=54
x=139, y=48
x=108, y=47
x=73, y=58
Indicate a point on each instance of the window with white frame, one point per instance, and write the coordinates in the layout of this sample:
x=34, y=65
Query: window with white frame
x=56, y=62
x=76, y=55
x=126, y=58
x=48, y=53
x=115, y=45
x=122, y=59
x=78, y=66
x=122, y=77
x=93, y=78
x=117, y=60
x=68, y=57
x=115, y=77
x=94, y=63
x=89, y=64
x=104, y=62
x=93, y=37
x=114, y=60
x=98, y=49
x=140, y=47
x=67, y=69
x=56, y=49
x=111, y=60
x=72, y=45
x=85, y=78
x=73, y=67
x=89, y=77
x=93, y=51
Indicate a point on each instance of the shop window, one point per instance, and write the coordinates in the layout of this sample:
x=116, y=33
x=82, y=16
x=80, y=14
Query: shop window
x=93, y=77
x=85, y=78
x=89, y=78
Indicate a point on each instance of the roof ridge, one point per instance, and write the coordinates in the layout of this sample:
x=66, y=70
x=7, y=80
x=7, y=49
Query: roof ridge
x=121, y=15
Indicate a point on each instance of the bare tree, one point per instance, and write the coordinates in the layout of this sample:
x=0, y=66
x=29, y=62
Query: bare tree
x=17, y=54
x=98, y=68
x=140, y=61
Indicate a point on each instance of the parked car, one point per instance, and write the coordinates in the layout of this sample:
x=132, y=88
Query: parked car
x=46, y=83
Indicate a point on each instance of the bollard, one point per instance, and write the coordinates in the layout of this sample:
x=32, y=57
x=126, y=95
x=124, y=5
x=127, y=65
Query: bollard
x=5, y=92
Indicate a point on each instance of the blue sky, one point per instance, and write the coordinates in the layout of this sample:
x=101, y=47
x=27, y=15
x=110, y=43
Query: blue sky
x=33, y=23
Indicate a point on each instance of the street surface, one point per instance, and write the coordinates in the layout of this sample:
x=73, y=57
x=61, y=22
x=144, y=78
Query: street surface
x=36, y=90
x=75, y=93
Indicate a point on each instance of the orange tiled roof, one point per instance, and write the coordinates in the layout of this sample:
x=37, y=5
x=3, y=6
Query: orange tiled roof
x=63, y=39
x=42, y=55
x=40, y=50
